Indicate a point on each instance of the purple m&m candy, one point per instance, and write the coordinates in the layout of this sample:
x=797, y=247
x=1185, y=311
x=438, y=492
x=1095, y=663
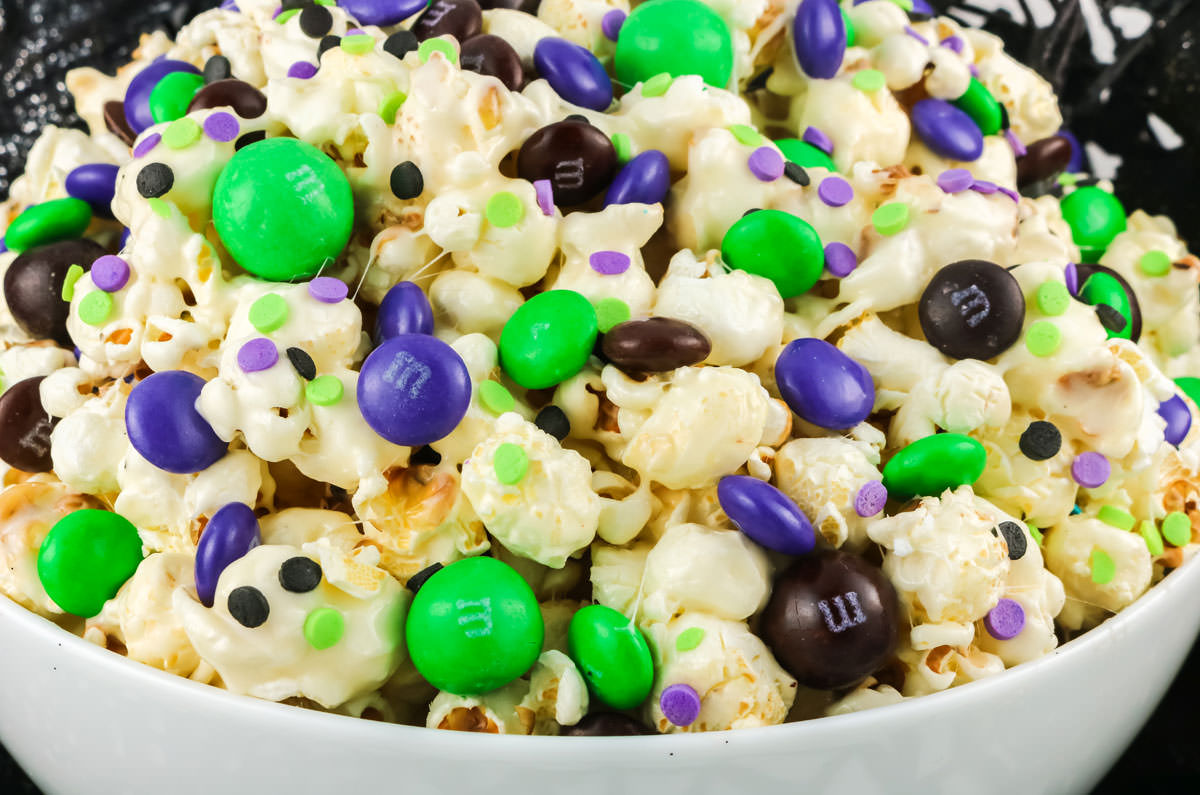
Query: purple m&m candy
x=405, y=310
x=819, y=37
x=230, y=533
x=137, y=96
x=413, y=389
x=574, y=73
x=164, y=427
x=823, y=385
x=946, y=130
x=95, y=183
x=382, y=12
x=766, y=514
x=1179, y=419
x=922, y=7
x=644, y=180
x=1078, y=162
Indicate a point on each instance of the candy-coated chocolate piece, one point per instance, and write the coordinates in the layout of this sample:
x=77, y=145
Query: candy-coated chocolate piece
x=1043, y=160
x=805, y=154
x=612, y=655
x=679, y=37
x=645, y=179
x=655, y=344
x=929, y=466
x=94, y=183
x=461, y=19
x=405, y=310
x=778, y=246
x=413, y=389
x=33, y=287
x=85, y=559
x=245, y=100
x=947, y=130
x=382, y=12
x=766, y=514
x=548, y=339
x=1174, y=411
x=493, y=56
x=578, y=159
x=230, y=533
x=972, y=310
x=170, y=97
x=606, y=724
x=980, y=104
x=137, y=95
x=164, y=427
x=48, y=222
x=823, y=385
x=25, y=427
x=1095, y=217
x=819, y=37
x=574, y=73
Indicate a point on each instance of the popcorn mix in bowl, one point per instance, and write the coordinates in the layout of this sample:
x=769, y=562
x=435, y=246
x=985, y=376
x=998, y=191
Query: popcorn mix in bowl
x=579, y=368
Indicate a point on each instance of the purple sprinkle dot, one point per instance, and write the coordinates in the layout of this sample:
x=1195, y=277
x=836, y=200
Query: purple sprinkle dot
x=609, y=263
x=955, y=180
x=1010, y=193
x=870, y=498
x=974, y=71
x=257, y=354
x=110, y=273
x=817, y=138
x=230, y=5
x=909, y=30
x=544, y=190
x=302, y=69
x=3, y=248
x=1071, y=275
x=355, y=31
x=840, y=259
x=835, y=191
x=277, y=12
x=766, y=164
x=146, y=145
x=954, y=43
x=1006, y=620
x=1090, y=470
x=1018, y=148
x=222, y=127
x=610, y=24
x=985, y=187
x=328, y=290
x=680, y=704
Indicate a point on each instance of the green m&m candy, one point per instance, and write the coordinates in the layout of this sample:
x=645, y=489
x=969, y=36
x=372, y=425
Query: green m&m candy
x=474, y=626
x=804, y=154
x=170, y=97
x=48, y=222
x=86, y=558
x=929, y=466
x=1095, y=217
x=282, y=208
x=981, y=106
x=678, y=37
x=778, y=246
x=548, y=339
x=612, y=655
x=1103, y=289
x=1190, y=387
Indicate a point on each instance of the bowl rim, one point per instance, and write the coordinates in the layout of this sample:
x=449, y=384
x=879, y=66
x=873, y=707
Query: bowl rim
x=910, y=709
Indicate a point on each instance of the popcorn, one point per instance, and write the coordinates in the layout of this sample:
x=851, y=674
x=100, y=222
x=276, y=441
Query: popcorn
x=1075, y=550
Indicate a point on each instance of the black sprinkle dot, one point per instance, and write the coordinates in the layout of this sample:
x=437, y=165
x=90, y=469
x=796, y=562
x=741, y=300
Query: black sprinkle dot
x=919, y=16
x=579, y=117
x=751, y=211
x=421, y=577
x=407, y=182
x=248, y=606
x=1014, y=536
x=1040, y=441
x=1004, y=122
x=796, y=173
x=217, y=68
x=1110, y=318
x=155, y=179
x=288, y=5
x=553, y=421
x=250, y=138
x=425, y=455
x=303, y=363
x=401, y=43
x=1088, y=182
x=299, y=574
x=759, y=81
x=315, y=21
x=995, y=532
x=327, y=44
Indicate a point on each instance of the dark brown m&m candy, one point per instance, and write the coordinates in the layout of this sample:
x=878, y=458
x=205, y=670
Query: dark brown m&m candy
x=831, y=620
x=606, y=724
x=25, y=427
x=578, y=159
x=493, y=56
x=528, y=6
x=1043, y=160
x=246, y=100
x=33, y=286
x=114, y=120
x=655, y=345
x=461, y=19
x=972, y=309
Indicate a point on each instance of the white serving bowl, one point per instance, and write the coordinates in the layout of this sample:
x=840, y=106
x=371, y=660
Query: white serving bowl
x=85, y=721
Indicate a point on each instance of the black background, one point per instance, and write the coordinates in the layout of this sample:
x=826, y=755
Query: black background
x=1159, y=73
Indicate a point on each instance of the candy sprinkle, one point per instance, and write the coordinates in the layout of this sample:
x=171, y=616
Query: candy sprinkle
x=1006, y=620
x=1042, y=338
x=328, y=290
x=746, y=135
x=1036, y=533
x=222, y=127
x=306, y=368
x=835, y=191
x=815, y=136
x=689, y=639
x=511, y=463
x=680, y=704
x=766, y=163
x=324, y=390
x=504, y=209
x=890, y=219
x=268, y=313
x=1155, y=263
x=840, y=259
x=870, y=499
x=611, y=312
x=1117, y=517
x=147, y=144
x=1177, y=529
x=110, y=273
x=1040, y=441
x=955, y=180
x=391, y=103
x=257, y=355
x=1053, y=298
x=611, y=23
x=495, y=397
x=869, y=80
x=360, y=44
x=1103, y=567
x=609, y=263
x=623, y=147
x=1151, y=536
x=543, y=190
x=657, y=85
x=303, y=70
x=68, y=288
x=324, y=627
x=1090, y=470
x=96, y=307
x=430, y=46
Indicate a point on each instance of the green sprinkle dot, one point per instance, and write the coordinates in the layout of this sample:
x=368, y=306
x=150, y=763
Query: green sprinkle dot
x=657, y=85
x=269, y=312
x=1067, y=179
x=391, y=104
x=324, y=627
x=689, y=639
x=358, y=43
x=623, y=147
x=1053, y=298
x=869, y=80
x=1152, y=538
x=1117, y=517
x=495, y=397
x=73, y=274
x=430, y=46
x=286, y=15
x=504, y=209
x=511, y=463
x=95, y=308
x=1177, y=529
x=890, y=218
x=161, y=208
x=1103, y=568
x=324, y=390
x=1037, y=534
x=1155, y=263
x=745, y=134
x=182, y=133
x=610, y=312
x=1042, y=338
x=326, y=2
